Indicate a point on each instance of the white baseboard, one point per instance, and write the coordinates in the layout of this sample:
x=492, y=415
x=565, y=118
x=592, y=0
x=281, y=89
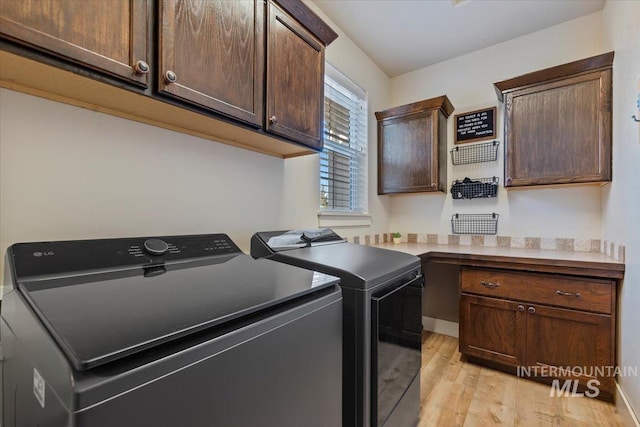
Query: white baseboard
x=624, y=408
x=440, y=326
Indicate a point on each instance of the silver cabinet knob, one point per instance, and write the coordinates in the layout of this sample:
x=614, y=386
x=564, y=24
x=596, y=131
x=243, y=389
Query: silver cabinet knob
x=273, y=120
x=141, y=67
x=170, y=77
x=521, y=307
x=531, y=310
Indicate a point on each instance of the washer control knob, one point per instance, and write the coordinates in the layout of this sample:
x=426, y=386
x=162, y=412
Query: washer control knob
x=155, y=246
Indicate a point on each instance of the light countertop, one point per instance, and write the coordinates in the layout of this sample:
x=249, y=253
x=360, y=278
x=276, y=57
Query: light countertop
x=562, y=261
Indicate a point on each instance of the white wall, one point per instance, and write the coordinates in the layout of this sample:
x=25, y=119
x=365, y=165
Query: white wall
x=72, y=173
x=468, y=82
x=621, y=199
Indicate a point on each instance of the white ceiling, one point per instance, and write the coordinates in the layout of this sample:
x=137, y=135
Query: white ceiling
x=406, y=35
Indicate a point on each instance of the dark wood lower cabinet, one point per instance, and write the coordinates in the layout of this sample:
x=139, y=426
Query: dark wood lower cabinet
x=533, y=335
x=492, y=329
x=578, y=344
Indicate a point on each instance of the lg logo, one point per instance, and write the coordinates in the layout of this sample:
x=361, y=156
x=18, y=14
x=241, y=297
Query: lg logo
x=39, y=254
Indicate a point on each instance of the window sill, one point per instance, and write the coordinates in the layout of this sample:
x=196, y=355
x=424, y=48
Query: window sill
x=343, y=219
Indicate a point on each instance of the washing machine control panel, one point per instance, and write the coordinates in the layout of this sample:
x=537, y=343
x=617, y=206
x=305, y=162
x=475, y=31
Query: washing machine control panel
x=56, y=258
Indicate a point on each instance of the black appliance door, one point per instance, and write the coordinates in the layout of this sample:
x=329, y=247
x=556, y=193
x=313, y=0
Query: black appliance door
x=396, y=326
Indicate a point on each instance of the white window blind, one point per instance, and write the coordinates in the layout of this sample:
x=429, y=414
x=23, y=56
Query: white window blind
x=343, y=162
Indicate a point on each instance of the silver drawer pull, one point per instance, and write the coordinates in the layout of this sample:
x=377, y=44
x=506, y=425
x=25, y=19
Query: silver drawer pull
x=489, y=284
x=569, y=294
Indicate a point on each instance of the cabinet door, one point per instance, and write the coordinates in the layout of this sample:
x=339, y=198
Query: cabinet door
x=109, y=36
x=211, y=54
x=568, y=338
x=408, y=153
x=559, y=132
x=492, y=329
x=295, y=80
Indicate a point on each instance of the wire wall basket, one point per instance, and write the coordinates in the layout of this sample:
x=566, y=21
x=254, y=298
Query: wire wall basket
x=474, y=223
x=477, y=153
x=475, y=188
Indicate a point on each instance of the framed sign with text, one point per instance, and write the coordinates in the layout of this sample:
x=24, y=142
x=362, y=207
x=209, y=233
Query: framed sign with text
x=475, y=125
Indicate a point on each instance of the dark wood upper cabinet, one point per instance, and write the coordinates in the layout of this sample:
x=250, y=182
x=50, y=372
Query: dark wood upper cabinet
x=108, y=36
x=558, y=124
x=211, y=53
x=248, y=73
x=412, y=147
x=295, y=79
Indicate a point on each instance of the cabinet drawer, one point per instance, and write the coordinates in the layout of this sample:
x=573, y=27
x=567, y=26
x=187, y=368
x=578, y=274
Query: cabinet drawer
x=563, y=291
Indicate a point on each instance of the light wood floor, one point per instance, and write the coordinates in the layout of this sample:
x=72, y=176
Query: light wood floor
x=458, y=393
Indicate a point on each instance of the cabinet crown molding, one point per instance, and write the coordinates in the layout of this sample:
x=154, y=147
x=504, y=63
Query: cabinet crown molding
x=441, y=102
x=312, y=22
x=548, y=74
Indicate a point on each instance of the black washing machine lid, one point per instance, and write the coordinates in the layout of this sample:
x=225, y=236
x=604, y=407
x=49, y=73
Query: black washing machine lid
x=99, y=318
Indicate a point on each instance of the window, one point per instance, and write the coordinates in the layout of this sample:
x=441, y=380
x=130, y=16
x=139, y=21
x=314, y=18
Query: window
x=343, y=162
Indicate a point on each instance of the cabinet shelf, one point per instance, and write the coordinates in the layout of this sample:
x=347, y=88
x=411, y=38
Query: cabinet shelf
x=474, y=223
x=477, y=153
x=475, y=188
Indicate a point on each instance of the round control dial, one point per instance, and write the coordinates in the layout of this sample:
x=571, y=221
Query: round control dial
x=155, y=246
